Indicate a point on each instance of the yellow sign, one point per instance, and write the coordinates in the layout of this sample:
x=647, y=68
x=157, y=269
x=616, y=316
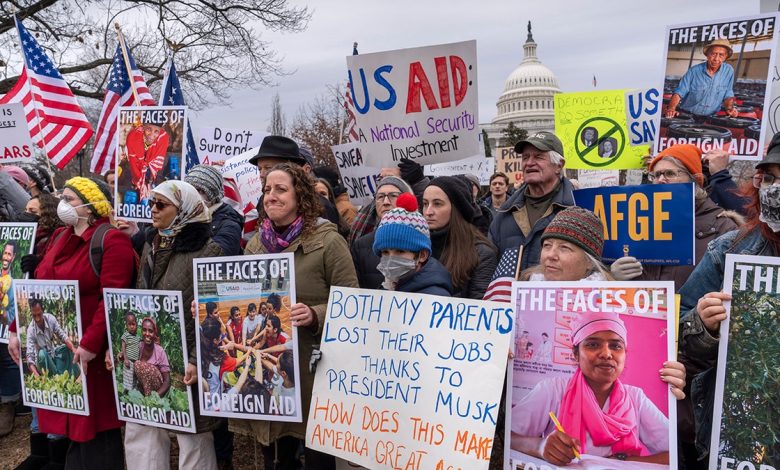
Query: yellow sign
x=508, y=162
x=592, y=127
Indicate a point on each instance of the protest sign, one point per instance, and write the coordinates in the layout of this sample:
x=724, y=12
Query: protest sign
x=509, y=163
x=15, y=142
x=242, y=181
x=16, y=240
x=772, y=112
x=477, y=165
x=244, y=302
x=593, y=129
x=696, y=103
x=598, y=178
x=149, y=352
x=638, y=221
x=642, y=110
x=217, y=144
x=747, y=390
x=547, y=375
x=419, y=103
x=409, y=380
x=360, y=180
x=48, y=321
x=150, y=152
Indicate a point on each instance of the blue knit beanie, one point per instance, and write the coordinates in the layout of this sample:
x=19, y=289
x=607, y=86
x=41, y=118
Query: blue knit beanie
x=403, y=228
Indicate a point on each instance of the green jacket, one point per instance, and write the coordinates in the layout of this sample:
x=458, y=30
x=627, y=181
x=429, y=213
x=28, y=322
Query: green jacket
x=322, y=259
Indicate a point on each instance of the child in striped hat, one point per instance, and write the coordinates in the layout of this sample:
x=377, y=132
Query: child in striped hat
x=403, y=240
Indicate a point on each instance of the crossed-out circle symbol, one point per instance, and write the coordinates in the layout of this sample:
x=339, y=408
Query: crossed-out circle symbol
x=606, y=127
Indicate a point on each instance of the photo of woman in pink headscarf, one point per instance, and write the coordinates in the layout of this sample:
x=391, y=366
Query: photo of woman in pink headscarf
x=600, y=415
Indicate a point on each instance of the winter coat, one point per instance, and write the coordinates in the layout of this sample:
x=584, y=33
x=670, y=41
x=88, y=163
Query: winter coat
x=480, y=277
x=711, y=222
x=346, y=209
x=723, y=192
x=13, y=198
x=366, y=262
x=171, y=269
x=432, y=279
x=227, y=226
x=321, y=260
x=511, y=228
x=67, y=257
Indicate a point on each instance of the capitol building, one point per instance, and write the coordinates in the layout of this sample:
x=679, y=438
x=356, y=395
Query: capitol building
x=527, y=100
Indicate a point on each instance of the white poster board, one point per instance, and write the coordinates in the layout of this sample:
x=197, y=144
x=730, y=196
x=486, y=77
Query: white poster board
x=15, y=142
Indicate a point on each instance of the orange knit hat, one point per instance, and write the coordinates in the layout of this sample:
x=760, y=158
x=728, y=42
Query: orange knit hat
x=688, y=154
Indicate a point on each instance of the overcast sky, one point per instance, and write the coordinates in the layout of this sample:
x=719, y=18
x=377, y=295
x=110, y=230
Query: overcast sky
x=618, y=41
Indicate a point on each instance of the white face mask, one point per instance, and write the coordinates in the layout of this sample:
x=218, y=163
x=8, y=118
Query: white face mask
x=394, y=268
x=769, y=197
x=68, y=214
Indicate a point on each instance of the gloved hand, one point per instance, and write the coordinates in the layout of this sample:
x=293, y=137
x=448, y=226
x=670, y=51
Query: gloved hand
x=29, y=263
x=411, y=172
x=626, y=268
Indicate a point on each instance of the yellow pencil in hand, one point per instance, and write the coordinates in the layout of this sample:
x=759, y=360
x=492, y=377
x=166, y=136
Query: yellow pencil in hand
x=560, y=428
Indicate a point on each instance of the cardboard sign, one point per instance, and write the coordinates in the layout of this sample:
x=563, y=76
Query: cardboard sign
x=742, y=80
x=477, y=165
x=149, y=353
x=419, y=103
x=359, y=179
x=642, y=110
x=545, y=370
x=747, y=388
x=509, y=163
x=247, y=347
x=217, y=144
x=150, y=151
x=409, y=380
x=16, y=240
x=652, y=222
x=15, y=142
x=48, y=319
x=593, y=129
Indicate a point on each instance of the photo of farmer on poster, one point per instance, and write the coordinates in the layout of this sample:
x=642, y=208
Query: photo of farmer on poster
x=747, y=390
x=48, y=320
x=16, y=240
x=147, y=346
x=150, y=151
x=247, y=347
x=585, y=375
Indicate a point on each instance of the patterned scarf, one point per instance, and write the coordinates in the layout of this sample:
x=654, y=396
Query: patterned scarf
x=365, y=222
x=275, y=242
x=191, y=208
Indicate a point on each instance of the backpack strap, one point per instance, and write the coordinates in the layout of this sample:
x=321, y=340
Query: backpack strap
x=96, y=247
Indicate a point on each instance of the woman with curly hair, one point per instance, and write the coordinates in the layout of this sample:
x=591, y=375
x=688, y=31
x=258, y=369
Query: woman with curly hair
x=43, y=210
x=290, y=223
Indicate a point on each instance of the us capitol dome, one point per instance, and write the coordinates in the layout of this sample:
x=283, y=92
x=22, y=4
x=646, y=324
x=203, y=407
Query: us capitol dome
x=527, y=100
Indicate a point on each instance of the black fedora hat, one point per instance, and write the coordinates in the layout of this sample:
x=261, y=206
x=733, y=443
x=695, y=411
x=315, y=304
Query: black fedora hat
x=277, y=146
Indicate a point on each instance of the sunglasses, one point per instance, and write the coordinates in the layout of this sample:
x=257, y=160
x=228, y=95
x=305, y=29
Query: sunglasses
x=159, y=205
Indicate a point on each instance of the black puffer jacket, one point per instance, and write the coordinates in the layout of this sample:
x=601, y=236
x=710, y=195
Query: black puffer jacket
x=226, y=228
x=366, y=262
x=480, y=277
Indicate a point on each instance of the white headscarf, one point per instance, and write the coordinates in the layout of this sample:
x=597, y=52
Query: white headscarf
x=185, y=197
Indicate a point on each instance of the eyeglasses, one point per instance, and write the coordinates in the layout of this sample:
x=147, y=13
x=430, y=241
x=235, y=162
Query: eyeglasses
x=764, y=179
x=380, y=197
x=69, y=199
x=159, y=205
x=668, y=174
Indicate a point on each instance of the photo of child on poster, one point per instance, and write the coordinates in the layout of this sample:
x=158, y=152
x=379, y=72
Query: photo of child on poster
x=590, y=356
x=16, y=240
x=147, y=357
x=247, y=350
x=48, y=319
x=150, y=151
x=717, y=85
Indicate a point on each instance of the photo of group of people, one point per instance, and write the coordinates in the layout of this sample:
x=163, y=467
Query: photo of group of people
x=16, y=240
x=49, y=327
x=147, y=356
x=246, y=345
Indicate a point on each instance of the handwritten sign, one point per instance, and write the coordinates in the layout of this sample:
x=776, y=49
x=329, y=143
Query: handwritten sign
x=15, y=142
x=243, y=178
x=509, y=163
x=217, y=144
x=477, y=165
x=359, y=179
x=638, y=221
x=642, y=109
x=409, y=380
x=16, y=240
x=593, y=129
x=418, y=103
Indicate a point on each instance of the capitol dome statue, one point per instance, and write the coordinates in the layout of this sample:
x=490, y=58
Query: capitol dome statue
x=527, y=100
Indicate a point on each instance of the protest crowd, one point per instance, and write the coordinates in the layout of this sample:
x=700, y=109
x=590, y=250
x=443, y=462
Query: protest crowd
x=447, y=236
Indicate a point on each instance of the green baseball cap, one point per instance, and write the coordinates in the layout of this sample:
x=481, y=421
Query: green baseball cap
x=544, y=141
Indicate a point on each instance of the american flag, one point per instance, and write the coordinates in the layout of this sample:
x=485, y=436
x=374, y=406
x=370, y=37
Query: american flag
x=500, y=288
x=55, y=120
x=118, y=93
x=350, y=130
x=171, y=95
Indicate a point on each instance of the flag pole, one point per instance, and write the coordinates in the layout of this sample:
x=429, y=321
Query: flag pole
x=130, y=77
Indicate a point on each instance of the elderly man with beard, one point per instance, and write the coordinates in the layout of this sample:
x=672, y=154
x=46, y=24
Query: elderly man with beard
x=545, y=192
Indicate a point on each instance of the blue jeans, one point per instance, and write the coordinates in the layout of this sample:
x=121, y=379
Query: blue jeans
x=10, y=382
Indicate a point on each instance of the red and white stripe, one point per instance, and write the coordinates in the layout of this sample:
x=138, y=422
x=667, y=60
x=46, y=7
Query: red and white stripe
x=500, y=290
x=351, y=127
